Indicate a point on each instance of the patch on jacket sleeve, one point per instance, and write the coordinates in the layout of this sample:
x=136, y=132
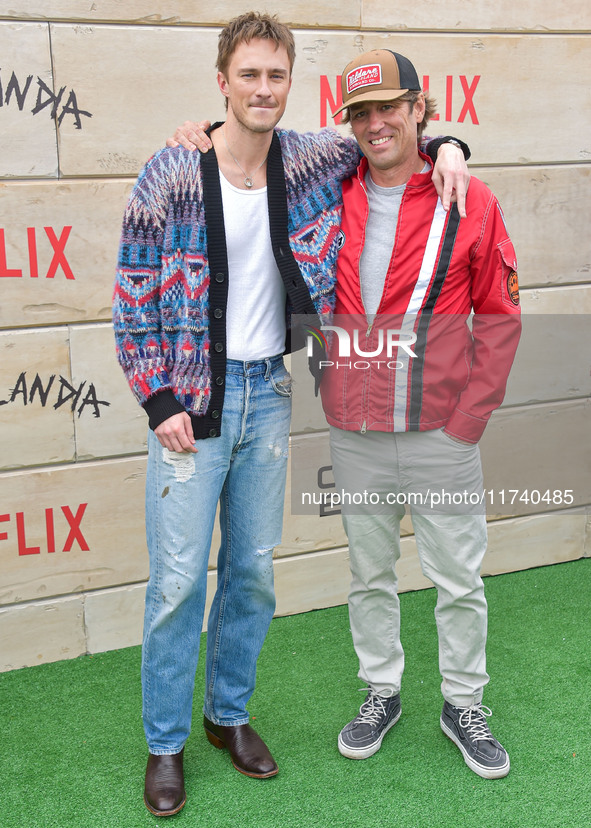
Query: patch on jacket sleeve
x=513, y=287
x=509, y=264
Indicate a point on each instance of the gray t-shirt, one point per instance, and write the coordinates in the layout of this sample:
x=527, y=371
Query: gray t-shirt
x=380, y=232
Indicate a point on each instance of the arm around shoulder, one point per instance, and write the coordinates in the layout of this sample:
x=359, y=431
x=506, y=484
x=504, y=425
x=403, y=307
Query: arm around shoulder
x=327, y=152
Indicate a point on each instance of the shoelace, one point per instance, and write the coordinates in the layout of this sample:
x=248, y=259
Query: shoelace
x=373, y=708
x=473, y=720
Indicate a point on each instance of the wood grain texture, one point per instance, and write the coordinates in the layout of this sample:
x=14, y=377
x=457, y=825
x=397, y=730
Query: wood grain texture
x=42, y=632
x=36, y=416
x=81, y=527
x=181, y=12
x=63, y=238
x=459, y=15
x=29, y=141
x=116, y=423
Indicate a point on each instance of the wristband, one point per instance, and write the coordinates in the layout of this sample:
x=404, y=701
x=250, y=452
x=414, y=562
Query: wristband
x=435, y=143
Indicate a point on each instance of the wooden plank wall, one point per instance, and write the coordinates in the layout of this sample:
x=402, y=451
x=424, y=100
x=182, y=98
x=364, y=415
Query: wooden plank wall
x=87, y=93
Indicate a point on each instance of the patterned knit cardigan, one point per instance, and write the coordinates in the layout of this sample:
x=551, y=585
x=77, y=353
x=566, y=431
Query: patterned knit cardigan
x=171, y=283
x=168, y=309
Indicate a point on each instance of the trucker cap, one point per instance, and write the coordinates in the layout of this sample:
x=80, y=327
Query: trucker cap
x=379, y=75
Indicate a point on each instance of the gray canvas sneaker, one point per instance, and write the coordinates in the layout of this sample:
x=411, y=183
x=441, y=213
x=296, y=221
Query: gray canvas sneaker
x=363, y=736
x=467, y=727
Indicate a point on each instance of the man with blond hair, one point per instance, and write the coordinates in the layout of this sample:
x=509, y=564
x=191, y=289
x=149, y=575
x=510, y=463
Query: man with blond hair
x=217, y=253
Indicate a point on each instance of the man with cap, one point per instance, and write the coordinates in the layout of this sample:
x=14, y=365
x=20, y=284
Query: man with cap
x=406, y=426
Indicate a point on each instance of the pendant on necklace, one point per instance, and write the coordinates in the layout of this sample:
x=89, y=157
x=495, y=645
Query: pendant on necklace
x=248, y=182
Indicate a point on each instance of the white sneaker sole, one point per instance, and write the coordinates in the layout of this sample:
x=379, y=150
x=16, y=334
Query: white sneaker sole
x=365, y=753
x=483, y=771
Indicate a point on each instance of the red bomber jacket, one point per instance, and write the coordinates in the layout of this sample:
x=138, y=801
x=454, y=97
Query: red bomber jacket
x=439, y=351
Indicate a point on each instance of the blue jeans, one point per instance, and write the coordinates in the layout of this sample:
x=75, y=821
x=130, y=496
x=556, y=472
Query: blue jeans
x=244, y=469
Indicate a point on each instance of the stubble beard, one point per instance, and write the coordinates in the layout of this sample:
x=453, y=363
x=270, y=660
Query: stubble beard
x=255, y=126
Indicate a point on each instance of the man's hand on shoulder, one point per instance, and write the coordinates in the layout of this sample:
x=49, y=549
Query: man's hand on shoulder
x=451, y=177
x=176, y=433
x=191, y=136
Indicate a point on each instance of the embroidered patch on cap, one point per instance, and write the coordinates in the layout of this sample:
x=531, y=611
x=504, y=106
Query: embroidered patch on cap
x=369, y=75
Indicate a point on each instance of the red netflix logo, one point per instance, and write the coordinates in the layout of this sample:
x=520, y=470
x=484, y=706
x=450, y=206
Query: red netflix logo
x=458, y=97
x=58, y=259
x=467, y=90
x=73, y=522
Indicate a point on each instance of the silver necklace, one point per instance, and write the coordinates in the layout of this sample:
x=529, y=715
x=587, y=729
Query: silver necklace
x=247, y=178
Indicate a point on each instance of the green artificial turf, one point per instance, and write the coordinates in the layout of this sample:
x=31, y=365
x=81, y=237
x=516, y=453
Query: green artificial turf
x=73, y=752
